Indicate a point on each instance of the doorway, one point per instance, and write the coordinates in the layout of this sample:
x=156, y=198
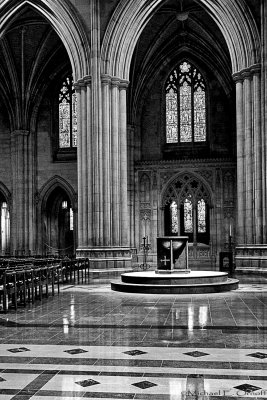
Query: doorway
x=59, y=224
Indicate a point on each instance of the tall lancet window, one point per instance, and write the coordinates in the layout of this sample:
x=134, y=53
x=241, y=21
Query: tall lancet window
x=185, y=105
x=67, y=114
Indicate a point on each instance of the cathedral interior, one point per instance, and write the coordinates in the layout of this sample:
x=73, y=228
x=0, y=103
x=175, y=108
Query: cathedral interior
x=122, y=121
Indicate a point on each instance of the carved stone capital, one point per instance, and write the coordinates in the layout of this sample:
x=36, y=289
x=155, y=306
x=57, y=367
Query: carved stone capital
x=247, y=73
x=105, y=79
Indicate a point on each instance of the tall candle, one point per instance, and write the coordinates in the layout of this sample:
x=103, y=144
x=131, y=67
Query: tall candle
x=230, y=233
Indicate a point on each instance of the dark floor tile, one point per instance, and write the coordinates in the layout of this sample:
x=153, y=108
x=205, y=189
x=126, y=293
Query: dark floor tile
x=145, y=396
x=196, y=364
x=248, y=365
x=64, y=361
x=100, y=395
x=59, y=393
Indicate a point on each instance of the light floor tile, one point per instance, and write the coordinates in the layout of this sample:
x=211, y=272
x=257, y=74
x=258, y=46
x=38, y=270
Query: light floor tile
x=109, y=384
x=118, y=352
x=226, y=387
x=16, y=381
x=8, y=397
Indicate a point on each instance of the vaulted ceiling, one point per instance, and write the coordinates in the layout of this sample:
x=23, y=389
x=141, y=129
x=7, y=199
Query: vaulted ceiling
x=31, y=56
x=176, y=30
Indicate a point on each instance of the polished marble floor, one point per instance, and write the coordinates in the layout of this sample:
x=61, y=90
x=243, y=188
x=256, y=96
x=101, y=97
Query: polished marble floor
x=90, y=342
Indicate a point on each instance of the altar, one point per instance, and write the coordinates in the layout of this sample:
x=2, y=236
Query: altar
x=172, y=254
x=172, y=275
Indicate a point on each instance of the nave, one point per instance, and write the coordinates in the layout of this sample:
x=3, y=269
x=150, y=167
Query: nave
x=90, y=342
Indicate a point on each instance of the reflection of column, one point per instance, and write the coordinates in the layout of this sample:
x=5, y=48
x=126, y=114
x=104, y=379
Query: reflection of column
x=194, y=388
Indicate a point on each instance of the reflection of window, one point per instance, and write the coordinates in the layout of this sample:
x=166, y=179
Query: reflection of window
x=67, y=115
x=185, y=105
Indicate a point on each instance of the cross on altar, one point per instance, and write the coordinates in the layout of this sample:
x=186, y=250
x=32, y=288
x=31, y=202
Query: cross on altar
x=165, y=260
x=172, y=254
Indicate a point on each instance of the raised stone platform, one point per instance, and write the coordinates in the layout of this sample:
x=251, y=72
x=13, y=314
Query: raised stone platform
x=180, y=283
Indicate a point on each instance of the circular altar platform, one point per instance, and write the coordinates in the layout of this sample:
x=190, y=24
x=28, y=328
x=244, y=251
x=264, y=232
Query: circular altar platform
x=175, y=283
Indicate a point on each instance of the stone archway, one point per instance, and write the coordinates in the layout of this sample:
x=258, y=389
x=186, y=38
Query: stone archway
x=5, y=208
x=242, y=37
x=130, y=17
x=57, y=217
x=65, y=22
x=187, y=207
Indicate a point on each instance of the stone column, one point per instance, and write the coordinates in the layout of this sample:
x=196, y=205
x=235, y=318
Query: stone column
x=131, y=182
x=248, y=165
x=115, y=164
x=22, y=229
x=102, y=172
x=263, y=88
x=240, y=229
x=124, y=214
x=85, y=164
x=258, y=159
x=251, y=250
x=106, y=81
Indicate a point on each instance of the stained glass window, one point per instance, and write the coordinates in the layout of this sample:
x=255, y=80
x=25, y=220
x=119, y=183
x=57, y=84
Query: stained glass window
x=188, y=216
x=67, y=115
x=185, y=105
x=174, y=217
x=171, y=117
x=201, y=216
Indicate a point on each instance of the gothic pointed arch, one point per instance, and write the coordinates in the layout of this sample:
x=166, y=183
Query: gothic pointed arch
x=57, y=207
x=186, y=201
x=50, y=185
x=66, y=23
x=5, y=192
x=5, y=208
x=130, y=17
x=190, y=182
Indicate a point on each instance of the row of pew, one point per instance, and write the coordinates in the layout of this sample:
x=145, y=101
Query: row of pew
x=25, y=281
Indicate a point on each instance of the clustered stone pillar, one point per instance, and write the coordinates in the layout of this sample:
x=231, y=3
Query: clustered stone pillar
x=85, y=165
x=103, y=217
x=250, y=159
x=22, y=229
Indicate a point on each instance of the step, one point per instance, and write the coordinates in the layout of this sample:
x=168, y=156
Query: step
x=230, y=284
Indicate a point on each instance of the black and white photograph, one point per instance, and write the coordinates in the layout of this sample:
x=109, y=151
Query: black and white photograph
x=133, y=199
